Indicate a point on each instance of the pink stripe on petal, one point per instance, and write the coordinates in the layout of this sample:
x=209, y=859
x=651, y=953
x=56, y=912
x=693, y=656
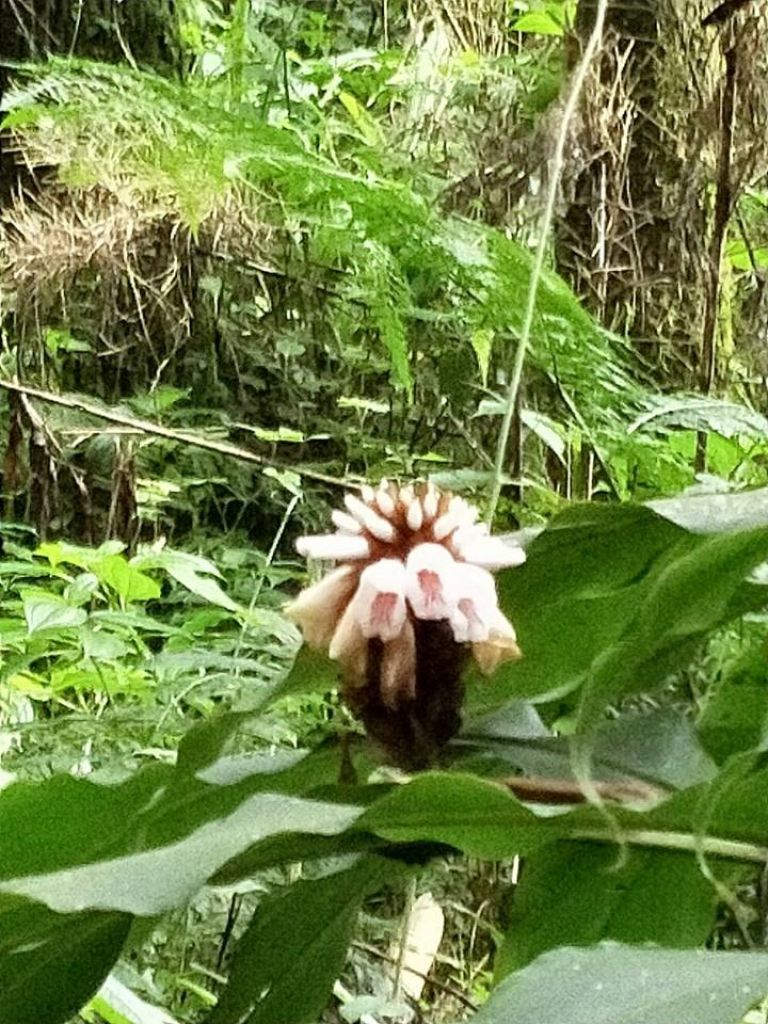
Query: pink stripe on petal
x=430, y=585
x=379, y=603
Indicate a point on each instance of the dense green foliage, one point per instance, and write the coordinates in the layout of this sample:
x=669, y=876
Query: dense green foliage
x=232, y=284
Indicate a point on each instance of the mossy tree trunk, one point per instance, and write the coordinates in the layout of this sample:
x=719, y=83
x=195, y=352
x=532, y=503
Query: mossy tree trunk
x=632, y=235
x=668, y=111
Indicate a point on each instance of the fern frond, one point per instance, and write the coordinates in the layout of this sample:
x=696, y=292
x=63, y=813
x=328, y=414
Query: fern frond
x=187, y=146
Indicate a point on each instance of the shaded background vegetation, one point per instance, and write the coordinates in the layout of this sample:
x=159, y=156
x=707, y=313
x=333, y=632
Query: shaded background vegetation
x=304, y=229
x=261, y=250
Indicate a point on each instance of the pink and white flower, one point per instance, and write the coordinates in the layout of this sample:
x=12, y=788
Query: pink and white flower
x=405, y=554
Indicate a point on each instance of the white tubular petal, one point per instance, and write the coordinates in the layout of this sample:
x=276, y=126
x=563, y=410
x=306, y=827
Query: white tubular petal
x=367, y=493
x=445, y=525
x=379, y=602
x=357, y=508
x=430, y=583
x=384, y=500
x=317, y=609
x=466, y=534
x=502, y=628
x=405, y=495
x=430, y=502
x=398, y=669
x=414, y=517
x=334, y=547
x=345, y=522
x=380, y=527
x=477, y=610
x=492, y=553
x=465, y=513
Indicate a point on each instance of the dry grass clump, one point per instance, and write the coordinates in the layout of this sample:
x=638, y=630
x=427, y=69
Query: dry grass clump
x=61, y=245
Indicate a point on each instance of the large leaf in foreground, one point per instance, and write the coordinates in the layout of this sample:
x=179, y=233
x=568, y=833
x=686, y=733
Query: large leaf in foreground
x=152, y=881
x=581, y=585
x=618, y=592
x=579, y=893
x=149, y=843
x=613, y=984
x=285, y=964
x=659, y=747
x=695, y=592
x=49, y=963
x=477, y=817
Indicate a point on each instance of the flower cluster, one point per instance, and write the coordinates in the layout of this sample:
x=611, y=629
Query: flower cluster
x=405, y=555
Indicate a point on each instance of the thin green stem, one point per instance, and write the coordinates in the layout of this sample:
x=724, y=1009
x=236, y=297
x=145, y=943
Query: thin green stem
x=558, y=162
x=730, y=849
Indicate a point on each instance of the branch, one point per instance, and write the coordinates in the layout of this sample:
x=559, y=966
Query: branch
x=157, y=430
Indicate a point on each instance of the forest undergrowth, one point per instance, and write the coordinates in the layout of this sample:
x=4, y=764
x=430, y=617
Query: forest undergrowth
x=257, y=256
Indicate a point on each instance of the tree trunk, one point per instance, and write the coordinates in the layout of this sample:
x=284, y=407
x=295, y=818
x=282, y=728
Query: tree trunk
x=640, y=237
x=632, y=237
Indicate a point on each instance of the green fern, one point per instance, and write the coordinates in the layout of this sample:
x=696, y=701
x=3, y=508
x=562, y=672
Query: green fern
x=188, y=146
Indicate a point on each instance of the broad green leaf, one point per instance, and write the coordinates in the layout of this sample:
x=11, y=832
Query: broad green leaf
x=539, y=23
x=170, y=559
x=689, y=596
x=660, y=747
x=613, y=984
x=76, y=554
x=102, y=645
x=82, y=589
x=585, y=577
x=202, y=586
x=619, y=596
x=50, y=964
x=477, y=817
x=735, y=713
x=716, y=513
x=285, y=964
x=125, y=579
x=51, y=612
x=152, y=840
x=30, y=570
x=577, y=894
x=151, y=881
